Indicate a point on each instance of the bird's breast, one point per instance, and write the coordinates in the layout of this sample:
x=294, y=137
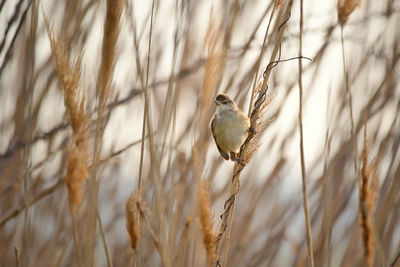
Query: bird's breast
x=231, y=129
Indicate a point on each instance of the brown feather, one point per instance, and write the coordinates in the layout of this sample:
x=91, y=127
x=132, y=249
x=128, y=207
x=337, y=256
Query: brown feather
x=223, y=153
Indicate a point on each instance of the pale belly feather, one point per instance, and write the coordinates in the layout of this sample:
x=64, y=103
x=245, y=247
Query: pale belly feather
x=232, y=131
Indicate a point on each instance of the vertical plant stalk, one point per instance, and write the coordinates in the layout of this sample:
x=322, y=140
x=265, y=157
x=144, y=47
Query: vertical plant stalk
x=206, y=220
x=75, y=234
x=234, y=188
x=302, y=160
x=228, y=235
x=28, y=88
x=144, y=83
x=348, y=91
x=146, y=102
x=17, y=257
x=141, y=77
x=344, y=10
x=103, y=92
x=253, y=92
x=77, y=158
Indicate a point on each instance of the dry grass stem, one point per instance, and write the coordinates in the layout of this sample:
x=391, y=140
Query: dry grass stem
x=206, y=221
x=109, y=49
x=17, y=257
x=103, y=91
x=75, y=98
x=144, y=81
x=350, y=99
x=104, y=78
x=301, y=142
x=144, y=214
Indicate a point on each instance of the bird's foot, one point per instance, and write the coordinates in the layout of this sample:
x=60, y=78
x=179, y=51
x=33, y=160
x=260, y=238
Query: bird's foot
x=252, y=130
x=238, y=160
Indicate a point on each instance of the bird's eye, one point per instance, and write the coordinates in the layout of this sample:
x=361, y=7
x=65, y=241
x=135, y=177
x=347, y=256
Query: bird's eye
x=221, y=98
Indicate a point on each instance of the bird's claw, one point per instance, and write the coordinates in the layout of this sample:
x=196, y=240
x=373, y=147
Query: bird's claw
x=252, y=130
x=241, y=162
x=238, y=160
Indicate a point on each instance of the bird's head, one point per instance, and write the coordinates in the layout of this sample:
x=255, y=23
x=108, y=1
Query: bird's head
x=224, y=101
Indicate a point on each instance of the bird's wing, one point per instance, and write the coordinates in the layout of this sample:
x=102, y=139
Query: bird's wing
x=223, y=154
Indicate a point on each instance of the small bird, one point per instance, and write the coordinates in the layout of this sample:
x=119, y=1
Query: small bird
x=230, y=127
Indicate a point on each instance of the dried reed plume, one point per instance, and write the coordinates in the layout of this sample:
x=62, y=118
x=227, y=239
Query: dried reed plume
x=109, y=49
x=345, y=8
x=131, y=214
x=77, y=160
x=103, y=92
x=104, y=79
x=367, y=201
x=206, y=221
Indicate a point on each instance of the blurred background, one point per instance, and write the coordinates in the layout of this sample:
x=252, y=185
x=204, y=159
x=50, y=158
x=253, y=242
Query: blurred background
x=148, y=73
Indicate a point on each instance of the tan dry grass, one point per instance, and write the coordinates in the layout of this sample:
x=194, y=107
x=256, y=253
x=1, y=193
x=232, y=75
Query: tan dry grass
x=75, y=97
x=267, y=216
x=131, y=214
x=367, y=201
x=109, y=49
x=345, y=8
x=103, y=92
x=206, y=221
x=310, y=247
